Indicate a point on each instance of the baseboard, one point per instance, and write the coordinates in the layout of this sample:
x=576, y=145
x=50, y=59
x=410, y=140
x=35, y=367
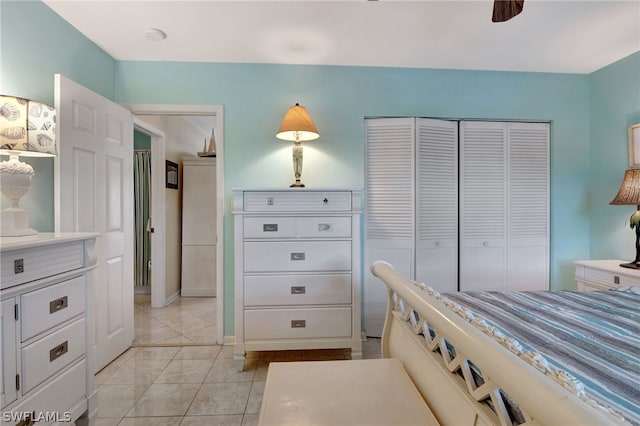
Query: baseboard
x=229, y=340
x=145, y=289
x=198, y=292
x=172, y=298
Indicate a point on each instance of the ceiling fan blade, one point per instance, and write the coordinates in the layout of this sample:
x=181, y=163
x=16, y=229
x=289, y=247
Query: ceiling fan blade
x=503, y=10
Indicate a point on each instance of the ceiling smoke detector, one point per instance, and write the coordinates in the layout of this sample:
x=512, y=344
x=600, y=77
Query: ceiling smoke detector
x=155, y=34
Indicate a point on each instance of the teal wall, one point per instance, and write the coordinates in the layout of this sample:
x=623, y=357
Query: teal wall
x=35, y=44
x=255, y=98
x=614, y=93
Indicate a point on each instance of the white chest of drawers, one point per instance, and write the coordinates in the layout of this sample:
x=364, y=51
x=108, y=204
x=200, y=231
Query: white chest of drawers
x=593, y=275
x=297, y=270
x=47, y=363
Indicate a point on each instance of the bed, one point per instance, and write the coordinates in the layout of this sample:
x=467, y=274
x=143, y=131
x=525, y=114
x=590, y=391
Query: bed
x=517, y=358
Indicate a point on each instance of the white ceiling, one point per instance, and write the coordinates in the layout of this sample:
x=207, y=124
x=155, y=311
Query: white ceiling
x=573, y=36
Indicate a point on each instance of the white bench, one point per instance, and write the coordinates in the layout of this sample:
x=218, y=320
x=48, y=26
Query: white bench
x=360, y=392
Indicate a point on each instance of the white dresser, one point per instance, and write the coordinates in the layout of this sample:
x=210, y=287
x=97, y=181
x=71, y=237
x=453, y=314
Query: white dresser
x=592, y=275
x=46, y=330
x=297, y=270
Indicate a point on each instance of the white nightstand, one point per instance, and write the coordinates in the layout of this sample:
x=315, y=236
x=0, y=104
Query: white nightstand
x=592, y=275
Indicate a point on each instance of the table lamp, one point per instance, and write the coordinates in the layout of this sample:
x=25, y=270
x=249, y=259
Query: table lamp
x=629, y=194
x=297, y=126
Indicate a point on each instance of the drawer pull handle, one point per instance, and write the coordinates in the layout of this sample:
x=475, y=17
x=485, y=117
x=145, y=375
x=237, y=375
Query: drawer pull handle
x=299, y=290
x=58, y=304
x=324, y=227
x=58, y=351
x=297, y=256
x=616, y=279
x=270, y=227
x=298, y=323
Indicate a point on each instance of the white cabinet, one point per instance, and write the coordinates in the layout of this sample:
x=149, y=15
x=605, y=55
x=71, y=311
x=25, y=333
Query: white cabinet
x=198, y=227
x=297, y=270
x=460, y=205
x=47, y=331
x=595, y=275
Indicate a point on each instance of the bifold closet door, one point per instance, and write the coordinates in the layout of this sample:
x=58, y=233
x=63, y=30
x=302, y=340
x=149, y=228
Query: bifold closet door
x=504, y=206
x=436, y=260
x=390, y=205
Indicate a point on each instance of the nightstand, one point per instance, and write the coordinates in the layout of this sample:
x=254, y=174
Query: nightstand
x=592, y=275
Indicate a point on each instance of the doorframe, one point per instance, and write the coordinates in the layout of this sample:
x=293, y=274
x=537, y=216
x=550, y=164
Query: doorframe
x=158, y=241
x=218, y=112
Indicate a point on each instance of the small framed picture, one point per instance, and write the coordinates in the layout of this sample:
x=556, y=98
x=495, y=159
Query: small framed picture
x=634, y=146
x=172, y=175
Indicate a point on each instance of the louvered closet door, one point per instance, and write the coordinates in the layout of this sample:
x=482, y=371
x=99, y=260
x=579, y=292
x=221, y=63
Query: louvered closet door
x=437, y=203
x=483, y=213
x=528, y=206
x=389, y=213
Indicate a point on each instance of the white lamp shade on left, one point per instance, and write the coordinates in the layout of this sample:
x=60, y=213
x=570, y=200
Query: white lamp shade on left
x=27, y=128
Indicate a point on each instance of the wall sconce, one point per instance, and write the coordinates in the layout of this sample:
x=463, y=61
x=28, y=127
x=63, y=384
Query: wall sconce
x=27, y=128
x=297, y=126
x=629, y=195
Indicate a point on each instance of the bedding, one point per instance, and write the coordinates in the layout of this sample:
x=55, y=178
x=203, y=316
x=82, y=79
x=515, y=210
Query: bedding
x=594, y=336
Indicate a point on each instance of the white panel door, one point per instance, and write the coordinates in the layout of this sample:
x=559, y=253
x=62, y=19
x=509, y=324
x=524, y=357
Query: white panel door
x=437, y=203
x=528, y=206
x=94, y=193
x=389, y=211
x=483, y=213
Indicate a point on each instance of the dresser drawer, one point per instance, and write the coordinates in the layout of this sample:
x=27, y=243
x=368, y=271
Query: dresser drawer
x=45, y=308
x=274, y=290
x=269, y=227
x=599, y=276
x=59, y=396
x=297, y=323
x=259, y=201
x=50, y=354
x=21, y=266
x=297, y=256
x=324, y=227
x=297, y=227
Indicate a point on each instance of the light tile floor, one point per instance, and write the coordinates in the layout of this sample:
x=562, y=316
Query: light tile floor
x=192, y=385
x=187, y=321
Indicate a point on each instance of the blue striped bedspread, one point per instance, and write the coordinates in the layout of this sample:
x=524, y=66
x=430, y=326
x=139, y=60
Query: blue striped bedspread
x=595, y=336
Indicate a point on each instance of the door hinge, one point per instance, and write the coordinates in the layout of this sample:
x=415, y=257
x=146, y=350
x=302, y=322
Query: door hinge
x=15, y=312
x=17, y=382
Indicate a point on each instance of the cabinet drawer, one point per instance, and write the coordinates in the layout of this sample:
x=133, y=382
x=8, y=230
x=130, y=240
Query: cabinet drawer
x=50, y=354
x=297, y=323
x=59, y=396
x=297, y=256
x=602, y=277
x=45, y=308
x=297, y=227
x=297, y=290
x=21, y=266
x=269, y=227
x=324, y=227
x=260, y=201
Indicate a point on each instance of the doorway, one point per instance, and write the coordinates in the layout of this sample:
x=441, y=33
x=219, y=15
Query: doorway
x=162, y=149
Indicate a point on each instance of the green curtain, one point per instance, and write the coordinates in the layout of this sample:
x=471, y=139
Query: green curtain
x=142, y=195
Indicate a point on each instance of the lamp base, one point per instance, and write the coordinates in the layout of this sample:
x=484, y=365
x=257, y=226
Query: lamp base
x=15, y=223
x=631, y=265
x=297, y=184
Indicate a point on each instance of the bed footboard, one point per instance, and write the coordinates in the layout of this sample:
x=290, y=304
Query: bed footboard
x=469, y=372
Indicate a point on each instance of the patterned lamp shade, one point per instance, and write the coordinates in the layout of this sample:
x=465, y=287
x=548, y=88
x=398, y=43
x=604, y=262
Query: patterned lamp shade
x=629, y=192
x=27, y=127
